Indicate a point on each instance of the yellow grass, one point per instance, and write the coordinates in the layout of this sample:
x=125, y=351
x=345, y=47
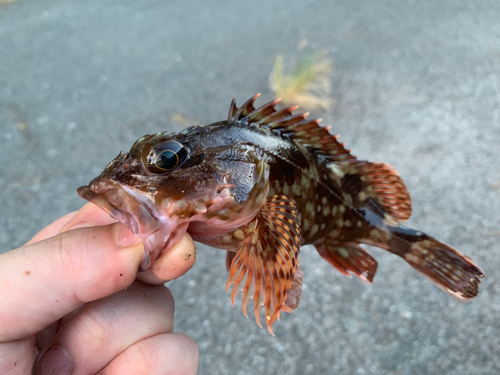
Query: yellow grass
x=303, y=81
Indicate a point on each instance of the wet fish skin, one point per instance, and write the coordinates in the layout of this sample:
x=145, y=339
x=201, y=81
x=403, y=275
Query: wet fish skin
x=260, y=185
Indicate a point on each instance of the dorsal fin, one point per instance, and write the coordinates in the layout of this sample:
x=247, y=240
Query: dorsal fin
x=387, y=187
x=297, y=127
x=237, y=114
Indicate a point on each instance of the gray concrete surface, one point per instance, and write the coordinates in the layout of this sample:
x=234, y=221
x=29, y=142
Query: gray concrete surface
x=416, y=84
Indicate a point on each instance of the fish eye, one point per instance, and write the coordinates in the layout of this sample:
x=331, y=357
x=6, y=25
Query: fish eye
x=165, y=157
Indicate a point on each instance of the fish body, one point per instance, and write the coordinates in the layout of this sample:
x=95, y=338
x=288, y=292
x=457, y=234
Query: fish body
x=260, y=185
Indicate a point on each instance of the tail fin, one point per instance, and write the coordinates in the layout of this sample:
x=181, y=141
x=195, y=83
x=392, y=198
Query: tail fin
x=447, y=268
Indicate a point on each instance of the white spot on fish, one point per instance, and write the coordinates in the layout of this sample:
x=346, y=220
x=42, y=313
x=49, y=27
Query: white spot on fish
x=239, y=234
x=307, y=225
x=286, y=189
x=305, y=181
x=336, y=170
x=411, y=258
x=310, y=208
x=347, y=199
x=296, y=189
x=343, y=252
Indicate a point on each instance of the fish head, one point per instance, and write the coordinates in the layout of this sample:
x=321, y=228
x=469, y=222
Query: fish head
x=168, y=181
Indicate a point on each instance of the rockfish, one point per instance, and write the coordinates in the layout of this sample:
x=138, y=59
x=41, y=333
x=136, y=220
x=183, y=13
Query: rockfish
x=260, y=185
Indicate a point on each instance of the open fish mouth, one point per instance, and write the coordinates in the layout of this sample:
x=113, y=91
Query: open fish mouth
x=123, y=206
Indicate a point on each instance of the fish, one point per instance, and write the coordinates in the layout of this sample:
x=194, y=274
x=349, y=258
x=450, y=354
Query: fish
x=260, y=185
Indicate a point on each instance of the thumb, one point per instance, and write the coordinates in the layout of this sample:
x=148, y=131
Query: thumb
x=44, y=281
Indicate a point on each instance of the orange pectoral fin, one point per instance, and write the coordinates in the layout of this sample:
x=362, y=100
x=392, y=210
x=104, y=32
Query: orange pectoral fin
x=265, y=266
x=229, y=259
x=349, y=257
x=292, y=299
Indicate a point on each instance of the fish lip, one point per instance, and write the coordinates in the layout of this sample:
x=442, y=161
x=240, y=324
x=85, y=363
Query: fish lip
x=136, y=210
x=122, y=205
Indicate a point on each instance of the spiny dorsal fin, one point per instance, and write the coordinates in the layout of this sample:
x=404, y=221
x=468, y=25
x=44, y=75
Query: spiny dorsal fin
x=237, y=114
x=297, y=127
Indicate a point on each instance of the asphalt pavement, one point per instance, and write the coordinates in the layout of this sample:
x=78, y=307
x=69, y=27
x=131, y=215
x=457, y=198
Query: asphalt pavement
x=416, y=84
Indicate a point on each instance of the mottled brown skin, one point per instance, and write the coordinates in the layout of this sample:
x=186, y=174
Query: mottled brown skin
x=262, y=184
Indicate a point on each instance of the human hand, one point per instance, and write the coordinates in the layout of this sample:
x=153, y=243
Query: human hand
x=71, y=292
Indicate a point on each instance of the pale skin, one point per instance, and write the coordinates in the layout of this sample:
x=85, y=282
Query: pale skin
x=73, y=302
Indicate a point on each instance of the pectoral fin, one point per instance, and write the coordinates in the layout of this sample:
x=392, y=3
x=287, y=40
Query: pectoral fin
x=292, y=299
x=265, y=266
x=229, y=259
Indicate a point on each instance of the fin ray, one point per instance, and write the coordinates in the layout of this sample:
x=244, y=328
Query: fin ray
x=448, y=269
x=267, y=262
x=444, y=266
x=293, y=297
x=349, y=257
x=306, y=132
x=388, y=188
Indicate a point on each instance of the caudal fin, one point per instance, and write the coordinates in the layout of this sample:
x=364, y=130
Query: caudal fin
x=447, y=268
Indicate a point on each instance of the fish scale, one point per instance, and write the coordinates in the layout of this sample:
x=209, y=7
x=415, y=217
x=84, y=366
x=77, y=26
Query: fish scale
x=260, y=185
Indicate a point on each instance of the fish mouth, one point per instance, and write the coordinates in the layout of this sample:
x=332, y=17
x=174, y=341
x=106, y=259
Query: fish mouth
x=126, y=207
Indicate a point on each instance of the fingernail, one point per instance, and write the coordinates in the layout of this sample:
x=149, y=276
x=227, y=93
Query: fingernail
x=54, y=360
x=124, y=237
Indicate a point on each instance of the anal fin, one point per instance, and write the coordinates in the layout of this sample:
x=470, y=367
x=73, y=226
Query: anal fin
x=349, y=257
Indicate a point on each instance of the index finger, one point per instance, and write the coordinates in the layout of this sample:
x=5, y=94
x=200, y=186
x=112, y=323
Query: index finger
x=88, y=215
